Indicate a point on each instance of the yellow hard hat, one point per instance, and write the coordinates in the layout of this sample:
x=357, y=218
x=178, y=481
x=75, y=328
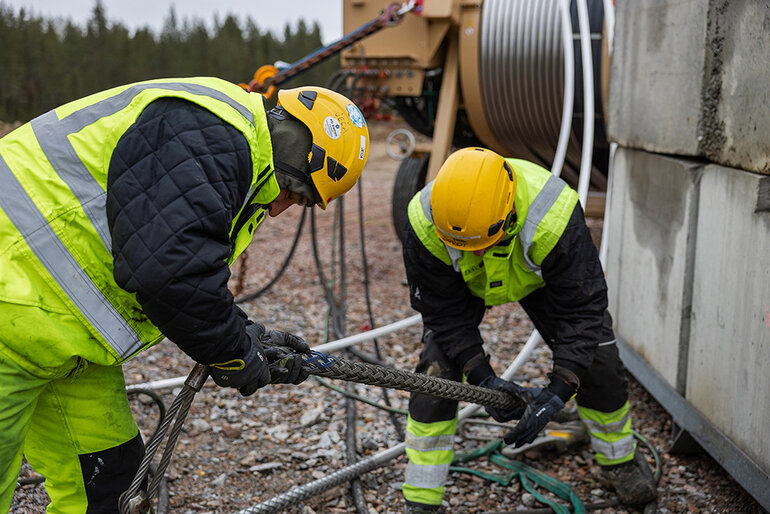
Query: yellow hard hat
x=472, y=199
x=340, y=138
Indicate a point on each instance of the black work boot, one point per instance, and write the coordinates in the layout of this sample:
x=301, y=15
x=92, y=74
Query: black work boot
x=633, y=480
x=421, y=508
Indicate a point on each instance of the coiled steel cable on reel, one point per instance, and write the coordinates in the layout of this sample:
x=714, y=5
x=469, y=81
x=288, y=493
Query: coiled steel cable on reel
x=521, y=55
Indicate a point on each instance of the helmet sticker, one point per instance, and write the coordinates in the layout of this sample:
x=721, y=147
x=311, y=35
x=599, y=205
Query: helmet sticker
x=332, y=127
x=362, y=148
x=355, y=116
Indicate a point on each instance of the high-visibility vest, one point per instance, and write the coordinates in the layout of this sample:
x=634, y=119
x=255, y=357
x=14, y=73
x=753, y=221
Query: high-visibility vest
x=53, y=223
x=544, y=205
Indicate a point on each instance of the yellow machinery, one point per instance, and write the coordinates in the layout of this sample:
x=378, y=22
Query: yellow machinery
x=472, y=72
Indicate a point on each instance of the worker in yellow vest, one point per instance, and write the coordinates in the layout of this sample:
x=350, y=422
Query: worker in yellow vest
x=120, y=214
x=489, y=231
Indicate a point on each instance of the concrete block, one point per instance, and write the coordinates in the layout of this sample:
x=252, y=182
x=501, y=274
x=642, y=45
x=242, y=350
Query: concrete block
x=735, y=114
x=729, y=355
x=656, y=75
x=653, y=212
x=689, y=77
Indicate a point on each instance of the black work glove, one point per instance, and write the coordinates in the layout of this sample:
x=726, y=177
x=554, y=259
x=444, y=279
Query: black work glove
x=283, y=351
x=498, y=384
x=248, y=373
x=478, y=372
x=542, y=404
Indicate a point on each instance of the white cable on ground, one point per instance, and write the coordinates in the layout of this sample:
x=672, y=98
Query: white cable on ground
x=169, y=383
x=569, y=88
x=588, y=102
x=368, y=335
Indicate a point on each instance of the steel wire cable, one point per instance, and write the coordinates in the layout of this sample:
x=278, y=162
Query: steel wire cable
x=393, y=417
x=279, y=273
x=336, y=313
x=302, y=492
x=176, y=414
x=184, y=397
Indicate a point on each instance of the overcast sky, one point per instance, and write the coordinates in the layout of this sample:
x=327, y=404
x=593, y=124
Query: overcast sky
x=268, y=15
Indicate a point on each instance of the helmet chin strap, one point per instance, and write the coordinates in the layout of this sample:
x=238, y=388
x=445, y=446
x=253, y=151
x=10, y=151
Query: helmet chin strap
x=295, y=181
x=291, y=141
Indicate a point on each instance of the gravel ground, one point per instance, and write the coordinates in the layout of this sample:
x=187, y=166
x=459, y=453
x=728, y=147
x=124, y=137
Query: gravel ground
x=235, y=452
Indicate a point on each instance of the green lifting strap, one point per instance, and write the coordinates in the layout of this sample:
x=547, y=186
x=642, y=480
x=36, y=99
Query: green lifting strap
x=526, y=475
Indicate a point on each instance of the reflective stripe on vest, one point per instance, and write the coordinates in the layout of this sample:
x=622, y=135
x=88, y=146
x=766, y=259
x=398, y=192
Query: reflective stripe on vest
x=537, y=211
x=63, y=267
x=52, y=134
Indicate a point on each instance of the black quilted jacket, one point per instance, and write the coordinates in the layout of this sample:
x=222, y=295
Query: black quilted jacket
x=177, y=178
x=570, y=311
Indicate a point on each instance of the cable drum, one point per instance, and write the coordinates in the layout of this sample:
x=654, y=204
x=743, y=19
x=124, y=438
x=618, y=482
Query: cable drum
x=521, y=72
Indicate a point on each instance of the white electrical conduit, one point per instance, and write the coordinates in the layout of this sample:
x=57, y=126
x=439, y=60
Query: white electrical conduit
x=569, y=88
x=326, y=347
x=609, y=20
x=603, y=246
x=588, y=101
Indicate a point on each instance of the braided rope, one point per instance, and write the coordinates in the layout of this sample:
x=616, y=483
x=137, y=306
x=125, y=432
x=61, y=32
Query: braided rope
x=325, y=365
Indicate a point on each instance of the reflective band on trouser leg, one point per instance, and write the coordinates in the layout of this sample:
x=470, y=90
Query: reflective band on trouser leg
x=76, y=417
x=611, y=436
x=430, y=450
x=18, y=396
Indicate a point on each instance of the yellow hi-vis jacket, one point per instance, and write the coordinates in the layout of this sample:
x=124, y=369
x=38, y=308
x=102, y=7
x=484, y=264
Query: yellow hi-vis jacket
x=55, y=246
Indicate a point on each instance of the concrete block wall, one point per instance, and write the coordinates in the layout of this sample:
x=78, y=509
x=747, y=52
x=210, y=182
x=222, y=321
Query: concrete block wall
x=689, y=77
x=688, y=264
x=728, y=378
x=654, y=209
x=688, y=272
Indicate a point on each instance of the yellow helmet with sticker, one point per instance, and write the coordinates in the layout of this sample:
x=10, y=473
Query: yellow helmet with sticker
x=340, y=144
x=472, y=199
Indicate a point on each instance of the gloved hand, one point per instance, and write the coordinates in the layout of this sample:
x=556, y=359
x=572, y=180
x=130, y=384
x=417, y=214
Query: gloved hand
x=248, y=373
x=542, y=404
x=285, y=368
x=498, y=384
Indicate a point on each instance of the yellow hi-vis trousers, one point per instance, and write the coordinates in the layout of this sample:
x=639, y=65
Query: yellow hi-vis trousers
x=76, y=430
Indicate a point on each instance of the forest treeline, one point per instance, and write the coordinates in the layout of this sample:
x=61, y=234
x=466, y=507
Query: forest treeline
x=47, y=62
